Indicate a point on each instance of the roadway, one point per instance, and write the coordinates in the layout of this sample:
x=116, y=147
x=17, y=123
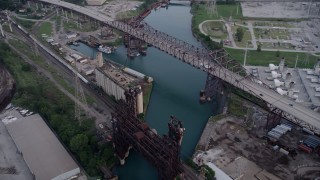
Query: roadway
x=177, y=48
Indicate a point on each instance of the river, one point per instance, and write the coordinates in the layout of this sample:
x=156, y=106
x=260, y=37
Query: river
x=175, y=91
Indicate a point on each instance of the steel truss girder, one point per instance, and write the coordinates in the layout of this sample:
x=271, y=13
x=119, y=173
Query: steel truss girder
x=214, y=62
x=162, y=152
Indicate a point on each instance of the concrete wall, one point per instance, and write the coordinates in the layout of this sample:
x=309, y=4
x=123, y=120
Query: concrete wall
x=67, y=175
x=109, y=86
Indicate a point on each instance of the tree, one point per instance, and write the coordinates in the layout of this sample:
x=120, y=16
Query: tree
x=259, y=47
x=78, y=142
x=278, y=53
x=239, y=34
x=221, y=43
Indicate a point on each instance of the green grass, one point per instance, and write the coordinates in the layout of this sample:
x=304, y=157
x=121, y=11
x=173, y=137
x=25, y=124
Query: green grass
x=217, y=117
x=264, y=58
x=70, y=25
x=224, y=10
x=277, y=46
x=127, y=14
x=26, y=24
x=45, y=28
x=246, y=36
x=147, y=90
x=272, y=33
x=215, y=29
x=36, y=93
x=235, y=106
x=273, y=24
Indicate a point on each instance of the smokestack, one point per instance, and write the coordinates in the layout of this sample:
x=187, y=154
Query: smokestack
x=100, y=59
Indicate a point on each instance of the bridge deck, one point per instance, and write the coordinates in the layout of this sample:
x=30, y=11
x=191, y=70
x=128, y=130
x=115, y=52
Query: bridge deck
x=201, y=58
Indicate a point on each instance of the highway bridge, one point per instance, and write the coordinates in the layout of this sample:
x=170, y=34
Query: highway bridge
x=7, y=87
x=217, y=63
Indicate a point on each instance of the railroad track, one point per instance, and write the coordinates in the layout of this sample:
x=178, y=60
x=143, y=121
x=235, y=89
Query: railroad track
x=69, y=73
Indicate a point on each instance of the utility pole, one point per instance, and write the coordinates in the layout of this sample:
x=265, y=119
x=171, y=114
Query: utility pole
x=1, y=30
x=36, y=50
x=79, y=97
x=309, y=8
x=295, y=66
x=245, y=55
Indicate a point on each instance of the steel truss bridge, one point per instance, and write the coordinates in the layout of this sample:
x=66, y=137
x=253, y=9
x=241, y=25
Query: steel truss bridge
x=129, y=132
x=216, y=63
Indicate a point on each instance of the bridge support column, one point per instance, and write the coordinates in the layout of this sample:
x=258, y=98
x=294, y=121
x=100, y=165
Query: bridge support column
x=134, y=46
x=10, y=26
x=71, y=14
x=214, y=86
x=1, y=30
x=273, y=118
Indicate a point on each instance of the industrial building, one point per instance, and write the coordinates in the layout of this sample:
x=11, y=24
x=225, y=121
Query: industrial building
x=95, y=2
x=115, y=80
x=301, y=85
x=40, y=148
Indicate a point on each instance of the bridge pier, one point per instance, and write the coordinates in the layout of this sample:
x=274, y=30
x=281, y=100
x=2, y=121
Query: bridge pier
x=214, y=87
x=129, y=132
x=134, y=46
x=273, y=118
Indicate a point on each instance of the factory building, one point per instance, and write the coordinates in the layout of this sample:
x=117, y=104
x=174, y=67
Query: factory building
x=115, y=80
x=42, y=151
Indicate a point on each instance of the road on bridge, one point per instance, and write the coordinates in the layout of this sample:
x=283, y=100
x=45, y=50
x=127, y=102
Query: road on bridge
x=199, y=58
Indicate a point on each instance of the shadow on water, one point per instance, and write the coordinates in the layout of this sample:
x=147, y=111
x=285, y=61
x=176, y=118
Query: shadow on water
x=176, y=89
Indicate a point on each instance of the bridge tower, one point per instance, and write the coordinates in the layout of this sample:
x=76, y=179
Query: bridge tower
x=2, y=33
x=214, y=86
x=129, y=132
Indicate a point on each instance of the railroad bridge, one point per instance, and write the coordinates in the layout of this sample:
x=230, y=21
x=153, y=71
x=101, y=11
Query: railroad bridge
x=218, y=64
x=129, y=132
x=221, y=69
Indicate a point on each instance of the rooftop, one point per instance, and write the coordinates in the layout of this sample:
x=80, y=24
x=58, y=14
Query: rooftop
x=117, y=75
x=42, y=151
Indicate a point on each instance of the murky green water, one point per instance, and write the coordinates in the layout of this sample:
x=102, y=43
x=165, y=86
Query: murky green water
x=176, y=89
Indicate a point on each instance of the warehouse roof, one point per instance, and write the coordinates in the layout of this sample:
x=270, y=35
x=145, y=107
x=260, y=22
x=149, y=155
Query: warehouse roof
x=42, y=151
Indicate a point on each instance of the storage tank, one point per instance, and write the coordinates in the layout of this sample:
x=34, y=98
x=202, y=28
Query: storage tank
x=275, y=74
x=99, y=59
x=282, y=92
x=278, y=83
x=273, y=67
x=139, y=101
x=284, y=151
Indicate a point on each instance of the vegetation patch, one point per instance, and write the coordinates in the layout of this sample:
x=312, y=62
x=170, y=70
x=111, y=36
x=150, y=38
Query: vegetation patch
x=36, y=93
x=236, y=106
x=264, y=58
x=45, y=28
x=147, y=90
x=26, y=24
x=215, y=29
